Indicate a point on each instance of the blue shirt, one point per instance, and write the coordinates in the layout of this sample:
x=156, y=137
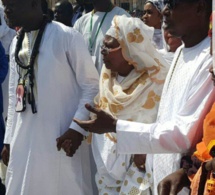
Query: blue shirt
x=3, y=72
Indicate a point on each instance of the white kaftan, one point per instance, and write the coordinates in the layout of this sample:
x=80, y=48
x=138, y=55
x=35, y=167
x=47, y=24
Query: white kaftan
x=158, y=38
x=66, y=79
x=83, y=26
x=187, y=96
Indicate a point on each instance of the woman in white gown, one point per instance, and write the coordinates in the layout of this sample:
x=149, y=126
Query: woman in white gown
x=131, y=83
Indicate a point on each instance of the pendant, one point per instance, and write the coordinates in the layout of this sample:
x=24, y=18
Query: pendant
x=210, y=184
x=21, y=96
x=31, y=100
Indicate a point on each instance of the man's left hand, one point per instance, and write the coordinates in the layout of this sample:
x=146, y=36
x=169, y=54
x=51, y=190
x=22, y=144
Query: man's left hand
x=70, y=141
x=173, y=183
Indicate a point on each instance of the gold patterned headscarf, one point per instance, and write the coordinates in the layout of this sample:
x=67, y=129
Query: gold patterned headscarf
x=135, y=39
x=136, y=97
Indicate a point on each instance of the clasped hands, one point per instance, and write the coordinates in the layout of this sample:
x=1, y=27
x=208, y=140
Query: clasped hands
x=71, y=139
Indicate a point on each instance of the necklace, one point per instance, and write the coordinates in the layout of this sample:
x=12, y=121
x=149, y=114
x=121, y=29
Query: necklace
x=30, y=66
x=174, y=68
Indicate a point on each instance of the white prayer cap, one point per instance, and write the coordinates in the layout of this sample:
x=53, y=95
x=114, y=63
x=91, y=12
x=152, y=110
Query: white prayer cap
x=157, y=3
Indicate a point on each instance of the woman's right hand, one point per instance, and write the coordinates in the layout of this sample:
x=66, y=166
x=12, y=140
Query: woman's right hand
x=139, y=160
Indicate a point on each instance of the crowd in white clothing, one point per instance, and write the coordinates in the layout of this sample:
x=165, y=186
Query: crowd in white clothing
x=108, y=104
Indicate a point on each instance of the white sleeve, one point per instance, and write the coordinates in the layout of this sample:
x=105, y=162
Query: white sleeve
x=12, y=98
x=86, y=75
x=77, y=25
x=177, y=135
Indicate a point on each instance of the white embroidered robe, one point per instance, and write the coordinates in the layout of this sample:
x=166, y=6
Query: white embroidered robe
x=66, y=79
x=187, y=96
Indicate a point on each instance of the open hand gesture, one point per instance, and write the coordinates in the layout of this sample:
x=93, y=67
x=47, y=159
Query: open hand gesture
x=103, y=123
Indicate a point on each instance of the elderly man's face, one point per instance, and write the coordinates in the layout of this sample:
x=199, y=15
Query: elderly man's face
x=179, y=16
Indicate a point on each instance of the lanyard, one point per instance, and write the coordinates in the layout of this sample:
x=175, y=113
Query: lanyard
x=91, y=42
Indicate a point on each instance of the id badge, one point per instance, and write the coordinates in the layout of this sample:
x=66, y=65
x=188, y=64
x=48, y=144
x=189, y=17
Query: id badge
x=21, y=98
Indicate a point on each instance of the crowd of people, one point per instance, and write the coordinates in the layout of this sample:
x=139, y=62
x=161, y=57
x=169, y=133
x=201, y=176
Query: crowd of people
x=94, y=100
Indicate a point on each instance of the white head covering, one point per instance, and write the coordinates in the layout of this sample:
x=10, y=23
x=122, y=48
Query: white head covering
x=157, y=3
x=135, y=39
x=138, y=89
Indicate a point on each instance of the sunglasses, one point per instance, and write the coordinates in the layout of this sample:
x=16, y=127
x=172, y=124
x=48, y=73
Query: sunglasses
x=171, y=4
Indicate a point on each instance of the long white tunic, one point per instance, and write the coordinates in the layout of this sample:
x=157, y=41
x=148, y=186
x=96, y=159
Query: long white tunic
x=187, y=96
x=66, y=79
x=83, y=26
